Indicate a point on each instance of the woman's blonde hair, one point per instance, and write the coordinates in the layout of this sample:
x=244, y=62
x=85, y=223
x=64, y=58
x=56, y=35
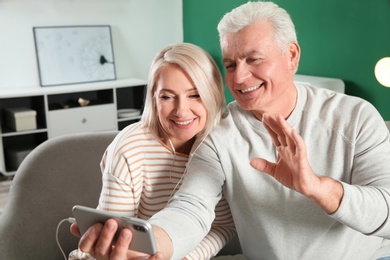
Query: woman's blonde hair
x=205, y=75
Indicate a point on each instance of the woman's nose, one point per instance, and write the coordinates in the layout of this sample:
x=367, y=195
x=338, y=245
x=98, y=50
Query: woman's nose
x=182, y=106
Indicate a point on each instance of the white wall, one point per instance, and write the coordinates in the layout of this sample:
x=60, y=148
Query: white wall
x=140, y=28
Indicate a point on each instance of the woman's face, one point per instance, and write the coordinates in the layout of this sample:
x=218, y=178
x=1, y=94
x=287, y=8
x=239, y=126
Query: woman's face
x=179, y=108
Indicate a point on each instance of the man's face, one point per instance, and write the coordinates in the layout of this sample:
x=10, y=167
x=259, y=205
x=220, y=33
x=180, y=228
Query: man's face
x=258, y=74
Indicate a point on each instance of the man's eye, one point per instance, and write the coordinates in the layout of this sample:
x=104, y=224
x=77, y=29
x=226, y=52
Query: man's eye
x=230, y=66
x=253, y=60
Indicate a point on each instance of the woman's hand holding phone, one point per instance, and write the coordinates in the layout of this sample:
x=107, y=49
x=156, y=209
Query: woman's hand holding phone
x=110, y=238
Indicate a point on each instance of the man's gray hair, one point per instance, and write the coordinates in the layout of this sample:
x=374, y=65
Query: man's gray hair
x=251, y=12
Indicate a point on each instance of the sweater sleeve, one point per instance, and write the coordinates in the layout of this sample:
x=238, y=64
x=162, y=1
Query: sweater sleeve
x=366, y=201
x=189, y=216
x=221, y=232
x=117, y=194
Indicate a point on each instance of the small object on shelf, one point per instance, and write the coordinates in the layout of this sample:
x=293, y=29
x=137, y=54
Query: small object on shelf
x=83, y=102
x=20, y=118
x=128, y=112
x=64, y=105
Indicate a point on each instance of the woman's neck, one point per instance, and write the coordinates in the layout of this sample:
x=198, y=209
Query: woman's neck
x=180, y=147
x=185, y=147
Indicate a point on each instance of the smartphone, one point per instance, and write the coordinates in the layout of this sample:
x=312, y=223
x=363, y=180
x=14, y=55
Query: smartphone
x=143, y=238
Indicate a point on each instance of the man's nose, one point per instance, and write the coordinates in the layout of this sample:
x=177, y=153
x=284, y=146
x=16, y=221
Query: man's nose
x=241, y=73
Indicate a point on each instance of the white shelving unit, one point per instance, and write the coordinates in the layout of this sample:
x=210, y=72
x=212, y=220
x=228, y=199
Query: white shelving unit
x=59, y=113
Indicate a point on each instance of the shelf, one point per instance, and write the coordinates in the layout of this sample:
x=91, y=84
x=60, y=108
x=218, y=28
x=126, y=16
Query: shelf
x=124, y=123
x=8, y=132
x=58, y=112
x=38, y=90
x=72, y=100
x=32, y=102
x=129, y=118
x=18, y=142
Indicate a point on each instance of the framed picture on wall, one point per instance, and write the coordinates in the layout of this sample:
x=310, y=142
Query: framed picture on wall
x=74, y=54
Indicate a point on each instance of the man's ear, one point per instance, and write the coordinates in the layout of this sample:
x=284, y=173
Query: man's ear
x=295, y=55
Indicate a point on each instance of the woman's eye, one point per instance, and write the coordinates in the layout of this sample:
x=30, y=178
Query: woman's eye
x=195, y=96
x=165, y=97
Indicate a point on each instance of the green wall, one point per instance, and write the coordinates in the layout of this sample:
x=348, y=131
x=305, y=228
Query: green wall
x=339, y=38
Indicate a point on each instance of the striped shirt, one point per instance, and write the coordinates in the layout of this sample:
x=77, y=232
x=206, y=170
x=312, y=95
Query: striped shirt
x=140, y=175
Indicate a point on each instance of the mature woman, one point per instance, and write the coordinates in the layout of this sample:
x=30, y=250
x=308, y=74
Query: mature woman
x=144, y=165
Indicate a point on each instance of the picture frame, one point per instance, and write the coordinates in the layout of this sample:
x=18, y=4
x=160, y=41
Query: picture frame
x=74, y=54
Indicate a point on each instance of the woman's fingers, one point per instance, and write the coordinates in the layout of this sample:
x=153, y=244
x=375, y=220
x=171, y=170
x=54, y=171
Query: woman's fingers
x=88, y=240
x=122, y=245
x=106, y=239
x=74, y=229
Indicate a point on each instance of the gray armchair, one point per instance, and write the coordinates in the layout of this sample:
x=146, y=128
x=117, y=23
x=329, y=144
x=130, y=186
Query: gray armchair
x=58, y=174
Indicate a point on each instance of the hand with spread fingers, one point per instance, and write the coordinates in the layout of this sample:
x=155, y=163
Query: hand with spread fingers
x=292, y=168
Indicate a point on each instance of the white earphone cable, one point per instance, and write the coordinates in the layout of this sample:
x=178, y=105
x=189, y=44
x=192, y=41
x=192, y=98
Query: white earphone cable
x=70, y=220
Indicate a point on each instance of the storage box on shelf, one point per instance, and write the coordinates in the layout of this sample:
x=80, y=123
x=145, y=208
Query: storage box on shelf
x=21, y=118
x=63, y=110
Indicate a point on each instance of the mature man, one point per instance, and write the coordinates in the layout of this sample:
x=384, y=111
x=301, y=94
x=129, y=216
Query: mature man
x=305, y=170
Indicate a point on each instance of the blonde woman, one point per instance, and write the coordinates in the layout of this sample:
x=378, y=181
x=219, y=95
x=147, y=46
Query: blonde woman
x=144, y=165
